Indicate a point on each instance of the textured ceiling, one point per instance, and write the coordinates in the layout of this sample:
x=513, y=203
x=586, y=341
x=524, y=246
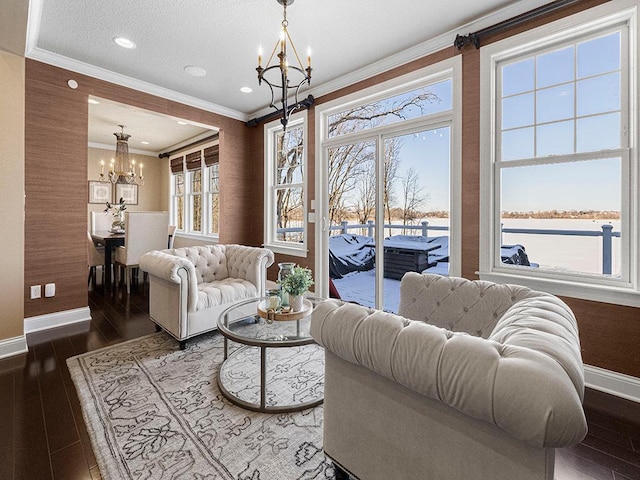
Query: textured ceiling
x=350, y=40
x=223, y=37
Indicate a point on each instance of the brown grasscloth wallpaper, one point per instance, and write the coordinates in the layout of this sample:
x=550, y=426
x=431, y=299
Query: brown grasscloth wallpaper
x=56, y=141
x=56, y=179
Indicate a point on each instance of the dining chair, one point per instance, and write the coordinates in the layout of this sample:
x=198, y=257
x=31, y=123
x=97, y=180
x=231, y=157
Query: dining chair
x=101, y=221
x=95, y=259
x=172, y=233
x=143, y=232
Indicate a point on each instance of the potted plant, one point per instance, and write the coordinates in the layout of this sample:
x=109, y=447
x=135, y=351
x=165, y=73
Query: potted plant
x=296, y=284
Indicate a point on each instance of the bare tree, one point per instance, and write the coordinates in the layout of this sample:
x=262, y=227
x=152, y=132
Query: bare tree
x=288, y=161
x=349, y=163
x=414, y=196
x=365, y=197
x=391, y=162
x=375, y=113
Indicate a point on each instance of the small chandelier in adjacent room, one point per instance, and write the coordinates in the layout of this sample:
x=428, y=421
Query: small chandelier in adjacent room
x=122, y=169
x=280, y=70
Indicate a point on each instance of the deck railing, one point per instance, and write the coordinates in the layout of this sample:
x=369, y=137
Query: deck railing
x=607, y=234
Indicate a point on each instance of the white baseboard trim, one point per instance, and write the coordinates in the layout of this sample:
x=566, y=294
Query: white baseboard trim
x=618, y=384
x=57, y=319
x=13, y=346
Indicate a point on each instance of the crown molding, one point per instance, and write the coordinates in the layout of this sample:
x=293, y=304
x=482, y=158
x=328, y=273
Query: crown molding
x=34, y=17
x=416, y=52
x=406, y=56
x=67, y=63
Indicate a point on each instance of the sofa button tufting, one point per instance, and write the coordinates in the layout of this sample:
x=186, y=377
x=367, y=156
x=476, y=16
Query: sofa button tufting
x=465, y=309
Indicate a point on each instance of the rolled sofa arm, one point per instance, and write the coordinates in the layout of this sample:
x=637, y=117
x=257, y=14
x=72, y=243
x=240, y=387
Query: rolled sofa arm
x=524, y=392
x=166, y=266
x=249, y=263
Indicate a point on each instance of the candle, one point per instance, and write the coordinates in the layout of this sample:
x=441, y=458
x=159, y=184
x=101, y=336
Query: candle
x=101, y=167
x=140, y=170
x=111, y=166
x=260, y=56
x=309, y=57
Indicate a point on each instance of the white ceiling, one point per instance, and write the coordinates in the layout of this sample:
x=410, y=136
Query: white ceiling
x=161, y=132
x=350, y=40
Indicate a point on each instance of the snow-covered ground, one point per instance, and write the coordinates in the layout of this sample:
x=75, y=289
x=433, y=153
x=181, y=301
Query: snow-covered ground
x=582, y=254
x=359, y=287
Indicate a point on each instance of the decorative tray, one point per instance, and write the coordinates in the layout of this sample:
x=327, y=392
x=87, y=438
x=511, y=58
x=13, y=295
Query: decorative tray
x=282, y=315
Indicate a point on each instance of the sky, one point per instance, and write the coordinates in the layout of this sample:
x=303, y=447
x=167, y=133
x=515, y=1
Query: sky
x=563, y=101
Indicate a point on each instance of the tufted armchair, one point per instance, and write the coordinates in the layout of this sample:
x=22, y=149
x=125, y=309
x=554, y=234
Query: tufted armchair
x=472, y=380
x=190, y=286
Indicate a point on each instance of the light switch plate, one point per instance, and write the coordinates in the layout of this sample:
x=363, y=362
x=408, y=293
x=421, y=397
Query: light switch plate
x=50, y=290
x=36, y=291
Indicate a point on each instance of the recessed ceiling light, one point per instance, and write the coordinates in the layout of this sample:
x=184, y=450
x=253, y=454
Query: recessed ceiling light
x=180, y=122
x=195, y=71
x=124, y=42
x=93, y=102
x=246, y=89
x=145, y=143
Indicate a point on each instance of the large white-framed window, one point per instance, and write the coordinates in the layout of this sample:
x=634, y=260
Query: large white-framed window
x=559, y=176
x=177, y=193
x=195, y=196
x=285, y=226
x=390, y=156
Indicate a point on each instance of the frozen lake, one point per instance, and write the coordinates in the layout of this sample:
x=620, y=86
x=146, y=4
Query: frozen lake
x=576, y=253
x=581, y=254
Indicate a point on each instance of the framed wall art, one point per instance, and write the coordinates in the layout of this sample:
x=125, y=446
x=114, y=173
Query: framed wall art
x=129, y=193
x=100, y=192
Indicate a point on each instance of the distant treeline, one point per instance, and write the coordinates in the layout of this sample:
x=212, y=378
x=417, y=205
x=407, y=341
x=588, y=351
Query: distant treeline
x=574, y=214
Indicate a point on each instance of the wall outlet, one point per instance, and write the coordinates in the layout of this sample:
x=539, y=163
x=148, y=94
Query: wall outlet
x=50, y=290
x=36, y=291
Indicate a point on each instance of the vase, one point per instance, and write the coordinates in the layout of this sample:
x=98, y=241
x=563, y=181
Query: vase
x=296, y=302
x=285, y=268
x=118, y=221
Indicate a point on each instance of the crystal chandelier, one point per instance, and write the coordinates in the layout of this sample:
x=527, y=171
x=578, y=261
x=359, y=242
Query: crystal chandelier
x=122, y=169
x=280, y=81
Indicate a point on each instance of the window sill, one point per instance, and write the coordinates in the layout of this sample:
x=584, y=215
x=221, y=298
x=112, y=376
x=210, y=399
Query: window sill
x=294, y=252
x=617, y=295
x=199, y=237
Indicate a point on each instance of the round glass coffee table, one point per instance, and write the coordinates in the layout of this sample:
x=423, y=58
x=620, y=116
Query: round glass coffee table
x=271, y=362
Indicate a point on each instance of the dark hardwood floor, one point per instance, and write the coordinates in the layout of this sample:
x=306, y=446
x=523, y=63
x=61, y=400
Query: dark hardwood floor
x=43, y=435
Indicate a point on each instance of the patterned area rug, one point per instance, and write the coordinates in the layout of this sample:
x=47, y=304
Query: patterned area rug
x=156, y=412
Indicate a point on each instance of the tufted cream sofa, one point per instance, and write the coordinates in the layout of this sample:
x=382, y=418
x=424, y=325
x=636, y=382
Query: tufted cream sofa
x=472, y=380
x=190, y=286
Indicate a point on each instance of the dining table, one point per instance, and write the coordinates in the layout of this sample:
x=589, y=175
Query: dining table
x=110, y=241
